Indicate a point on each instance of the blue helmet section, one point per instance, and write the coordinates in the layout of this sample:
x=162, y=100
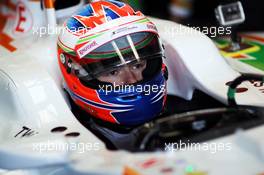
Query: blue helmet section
x=144, y=102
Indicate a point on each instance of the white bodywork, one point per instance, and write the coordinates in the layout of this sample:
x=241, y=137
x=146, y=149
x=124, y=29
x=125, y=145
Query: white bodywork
x=31, y=96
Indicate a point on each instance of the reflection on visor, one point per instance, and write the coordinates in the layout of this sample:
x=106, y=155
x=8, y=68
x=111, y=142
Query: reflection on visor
x=129, y=50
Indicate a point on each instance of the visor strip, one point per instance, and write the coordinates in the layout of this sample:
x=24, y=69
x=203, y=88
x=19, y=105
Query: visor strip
x=133, y=47
x=118, y=52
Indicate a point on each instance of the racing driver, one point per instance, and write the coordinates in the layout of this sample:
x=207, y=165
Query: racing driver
x=111, y=59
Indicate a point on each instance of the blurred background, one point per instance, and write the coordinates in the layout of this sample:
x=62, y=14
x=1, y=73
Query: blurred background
x=200, y=12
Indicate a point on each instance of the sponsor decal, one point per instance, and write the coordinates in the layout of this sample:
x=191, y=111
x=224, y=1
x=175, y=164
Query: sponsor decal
x=5, y=40
x=238, y=89
x=87, y=48
x=259, y=85
x=124, y=29
x=26, y=132
x=150, y=163
x=21, y=18
x=24, y=20
x=152, y=27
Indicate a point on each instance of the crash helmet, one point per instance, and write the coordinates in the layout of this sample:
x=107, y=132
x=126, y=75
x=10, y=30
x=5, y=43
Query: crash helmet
x=111, y=59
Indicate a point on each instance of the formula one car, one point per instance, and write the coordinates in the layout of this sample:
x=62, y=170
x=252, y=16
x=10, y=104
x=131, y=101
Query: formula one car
x=214, y=111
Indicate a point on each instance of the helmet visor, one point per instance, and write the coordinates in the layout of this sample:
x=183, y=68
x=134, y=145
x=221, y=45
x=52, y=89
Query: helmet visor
x=133, y=49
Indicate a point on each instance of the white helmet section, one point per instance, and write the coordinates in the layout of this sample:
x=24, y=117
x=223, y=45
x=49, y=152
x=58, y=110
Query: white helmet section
x=194, y=62
x=104, y=33
x=131, y=26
